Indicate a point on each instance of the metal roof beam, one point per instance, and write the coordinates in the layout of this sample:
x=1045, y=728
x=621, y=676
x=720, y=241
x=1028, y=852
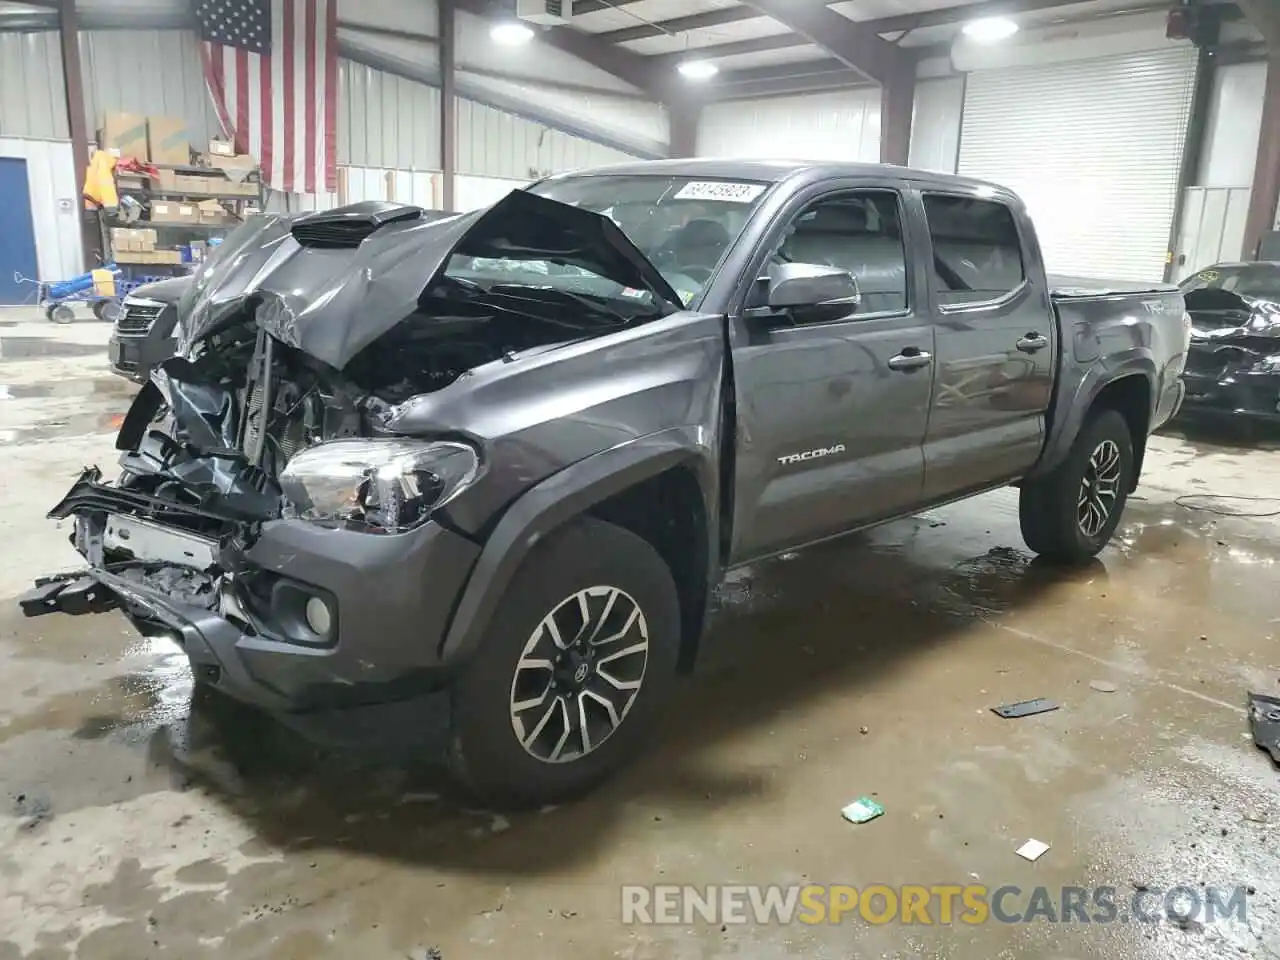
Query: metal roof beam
x=883, y=25
x=854, y=43
x=622, y=63
x=694, y=21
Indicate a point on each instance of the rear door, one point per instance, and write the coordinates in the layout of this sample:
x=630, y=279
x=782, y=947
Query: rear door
x=996, y=345
x=831, y=414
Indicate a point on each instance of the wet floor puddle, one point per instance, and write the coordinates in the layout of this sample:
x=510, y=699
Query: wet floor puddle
x=28, y=348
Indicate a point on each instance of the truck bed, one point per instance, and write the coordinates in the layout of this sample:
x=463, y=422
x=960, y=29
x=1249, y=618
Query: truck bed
x=1065, y=288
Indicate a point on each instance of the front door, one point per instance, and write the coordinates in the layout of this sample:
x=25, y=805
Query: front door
x=996, y=347
x=17, y=239
x=831, y=411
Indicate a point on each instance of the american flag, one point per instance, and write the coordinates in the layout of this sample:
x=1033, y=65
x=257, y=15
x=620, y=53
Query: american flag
x=272, y=70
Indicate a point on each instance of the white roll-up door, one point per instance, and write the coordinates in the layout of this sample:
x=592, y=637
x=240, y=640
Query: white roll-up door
x=1094, y=147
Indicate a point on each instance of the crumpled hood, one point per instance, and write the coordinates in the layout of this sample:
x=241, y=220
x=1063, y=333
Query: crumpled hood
x=331, y=297
x=1221, y=314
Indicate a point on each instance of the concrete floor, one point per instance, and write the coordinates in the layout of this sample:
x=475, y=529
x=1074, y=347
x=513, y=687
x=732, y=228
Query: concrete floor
x=132, y=825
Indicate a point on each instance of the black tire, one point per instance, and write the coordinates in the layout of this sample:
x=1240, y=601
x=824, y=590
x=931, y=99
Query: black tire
x=60, y=313
x=485, y=753
x=106, y=310
x=1049, y=507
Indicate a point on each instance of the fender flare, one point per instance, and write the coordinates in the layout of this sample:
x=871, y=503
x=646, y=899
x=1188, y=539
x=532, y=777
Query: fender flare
x=1076, y=409
x=548, y=506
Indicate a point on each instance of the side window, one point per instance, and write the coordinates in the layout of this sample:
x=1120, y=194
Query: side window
x=861, y=232
x=977, y=255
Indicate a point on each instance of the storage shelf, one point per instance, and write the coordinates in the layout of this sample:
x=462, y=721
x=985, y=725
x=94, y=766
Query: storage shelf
x=179, y=195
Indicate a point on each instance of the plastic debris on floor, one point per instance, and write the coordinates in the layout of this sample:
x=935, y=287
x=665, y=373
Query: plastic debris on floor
x=1024, y=708
x=1032, y=850
x=862, y=810
x=1264, y=722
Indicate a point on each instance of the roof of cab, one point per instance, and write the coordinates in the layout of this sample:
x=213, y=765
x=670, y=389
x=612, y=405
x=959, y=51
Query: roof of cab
x=773, y=171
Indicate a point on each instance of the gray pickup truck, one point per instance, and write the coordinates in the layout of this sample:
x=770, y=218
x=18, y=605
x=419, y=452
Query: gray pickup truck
x=480, y=476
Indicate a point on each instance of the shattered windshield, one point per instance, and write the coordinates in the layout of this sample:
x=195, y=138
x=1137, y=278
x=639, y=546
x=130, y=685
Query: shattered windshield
x=682, y=225
x=1258, y=281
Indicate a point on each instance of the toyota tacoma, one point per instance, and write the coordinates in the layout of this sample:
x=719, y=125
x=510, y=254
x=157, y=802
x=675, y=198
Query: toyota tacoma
x=481, y=475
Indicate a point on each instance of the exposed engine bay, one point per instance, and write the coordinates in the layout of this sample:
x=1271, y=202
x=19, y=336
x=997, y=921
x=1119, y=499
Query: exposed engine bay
x=216, y=430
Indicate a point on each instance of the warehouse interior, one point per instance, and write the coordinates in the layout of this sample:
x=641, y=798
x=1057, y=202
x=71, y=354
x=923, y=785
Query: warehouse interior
x=142, y=818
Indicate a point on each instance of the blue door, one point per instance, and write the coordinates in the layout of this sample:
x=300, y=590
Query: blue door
x=18, y=238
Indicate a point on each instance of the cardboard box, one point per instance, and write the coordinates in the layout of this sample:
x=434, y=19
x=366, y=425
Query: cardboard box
x=167, y=211
x=236, y=168
x=125, y=135
x=168, y=141
x=129, y=239
x=150, y=256
x=221, y=148
x=211, y=211
x=189, y=184
x=166, y=180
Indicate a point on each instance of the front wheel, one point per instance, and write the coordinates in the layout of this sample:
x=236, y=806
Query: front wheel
x=1070, y=514
x=569, y=676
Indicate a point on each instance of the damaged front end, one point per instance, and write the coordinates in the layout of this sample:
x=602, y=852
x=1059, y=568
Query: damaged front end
x=268, y=516
x=1233, y=363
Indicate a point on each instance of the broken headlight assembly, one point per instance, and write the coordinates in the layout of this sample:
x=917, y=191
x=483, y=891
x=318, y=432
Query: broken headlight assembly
x=376, y=486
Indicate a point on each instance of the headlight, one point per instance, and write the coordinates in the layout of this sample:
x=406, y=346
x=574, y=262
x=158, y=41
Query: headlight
x=377, y=486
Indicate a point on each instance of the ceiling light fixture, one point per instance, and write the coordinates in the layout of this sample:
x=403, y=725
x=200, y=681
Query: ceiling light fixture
x=511, y=33
x=990, y=29
x=698, y=69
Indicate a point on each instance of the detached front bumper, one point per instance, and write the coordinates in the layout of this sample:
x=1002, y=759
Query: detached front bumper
x=390, y=597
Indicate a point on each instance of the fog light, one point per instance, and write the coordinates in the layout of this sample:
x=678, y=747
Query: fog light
x=318, y=617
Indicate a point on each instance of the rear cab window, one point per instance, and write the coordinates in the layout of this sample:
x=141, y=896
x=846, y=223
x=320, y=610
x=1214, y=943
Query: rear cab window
x=977, y=252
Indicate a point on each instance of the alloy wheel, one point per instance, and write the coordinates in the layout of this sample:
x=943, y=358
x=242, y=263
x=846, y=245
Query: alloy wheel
x=579, y=674
x=1099, y=489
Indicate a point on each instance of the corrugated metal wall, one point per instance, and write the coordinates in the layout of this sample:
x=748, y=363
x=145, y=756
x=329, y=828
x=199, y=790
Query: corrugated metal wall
x=152, y=72
x=492, y=143
x=935, y=124
x=1234, y=126
x=31, y=98
x=386, y=121
x=840, y=125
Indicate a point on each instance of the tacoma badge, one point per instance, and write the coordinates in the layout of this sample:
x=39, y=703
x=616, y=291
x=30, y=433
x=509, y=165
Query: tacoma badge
x=811, y=454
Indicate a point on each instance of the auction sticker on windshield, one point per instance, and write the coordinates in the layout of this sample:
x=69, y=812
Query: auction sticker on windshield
x=720, y=190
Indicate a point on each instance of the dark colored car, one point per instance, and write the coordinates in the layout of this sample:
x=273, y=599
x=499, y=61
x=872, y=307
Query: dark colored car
x=478, y=477
x=1233, y=367
x=143, y=333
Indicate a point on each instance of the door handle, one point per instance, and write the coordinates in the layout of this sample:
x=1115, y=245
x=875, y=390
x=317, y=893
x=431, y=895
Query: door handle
x=1032, y=342
x=910, y=359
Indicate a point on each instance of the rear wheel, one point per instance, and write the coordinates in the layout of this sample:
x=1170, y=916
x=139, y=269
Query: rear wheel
x=574, y=665
x=1070, y=514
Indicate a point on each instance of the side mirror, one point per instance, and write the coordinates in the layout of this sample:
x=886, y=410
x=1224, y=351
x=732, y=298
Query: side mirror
x=798, y=285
